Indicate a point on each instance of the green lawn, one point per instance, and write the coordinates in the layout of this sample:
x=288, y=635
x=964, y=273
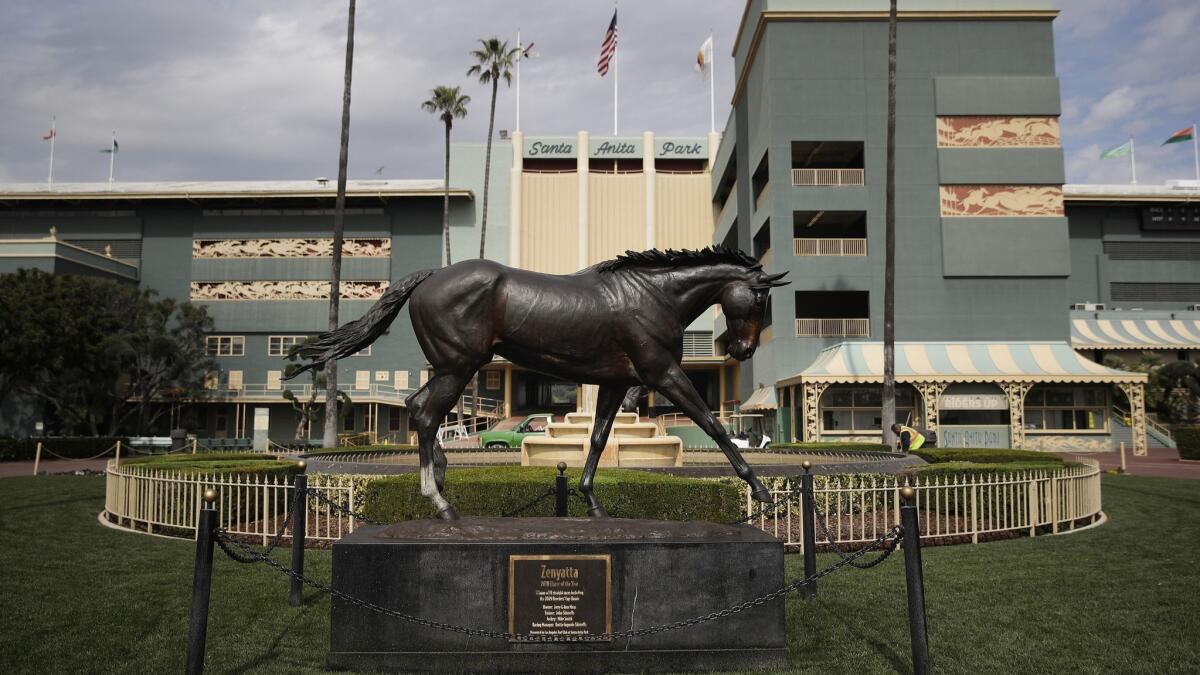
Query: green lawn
x=1119, y=598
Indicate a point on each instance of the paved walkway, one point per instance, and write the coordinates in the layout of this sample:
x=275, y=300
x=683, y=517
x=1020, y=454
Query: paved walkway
x=1159, y=462
x=10, y=469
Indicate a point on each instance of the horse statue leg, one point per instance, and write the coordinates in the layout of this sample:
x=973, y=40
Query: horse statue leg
x=608, y=402
x=427, y=408
x=675, y=385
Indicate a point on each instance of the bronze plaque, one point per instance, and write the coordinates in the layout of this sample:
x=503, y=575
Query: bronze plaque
x=559, y=595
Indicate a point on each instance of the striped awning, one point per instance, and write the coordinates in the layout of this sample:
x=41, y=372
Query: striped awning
x=960, y=362
x=1135, y=334
x=763, y=398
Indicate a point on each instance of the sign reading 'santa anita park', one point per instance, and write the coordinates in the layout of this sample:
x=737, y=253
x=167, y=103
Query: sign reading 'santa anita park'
x=564, y=147
x=559, y=595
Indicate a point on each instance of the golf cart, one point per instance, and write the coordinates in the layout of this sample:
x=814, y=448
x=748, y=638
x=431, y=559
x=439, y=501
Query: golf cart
x=748, y=431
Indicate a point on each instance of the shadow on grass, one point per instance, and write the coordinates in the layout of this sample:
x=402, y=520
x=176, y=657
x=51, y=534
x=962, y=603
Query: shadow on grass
x=272, y=653
x=1172, y=498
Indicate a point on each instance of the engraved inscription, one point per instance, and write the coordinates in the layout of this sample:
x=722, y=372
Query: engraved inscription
x=564, y=596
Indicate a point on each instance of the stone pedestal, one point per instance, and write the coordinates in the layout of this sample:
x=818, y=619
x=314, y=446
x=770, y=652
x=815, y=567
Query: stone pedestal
x=557, y=576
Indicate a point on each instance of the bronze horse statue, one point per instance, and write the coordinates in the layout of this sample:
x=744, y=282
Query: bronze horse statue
x=618, y=324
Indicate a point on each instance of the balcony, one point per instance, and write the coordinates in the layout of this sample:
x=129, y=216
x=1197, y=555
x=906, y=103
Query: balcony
x=828, y=177
x=806, y=246
x=856, y=328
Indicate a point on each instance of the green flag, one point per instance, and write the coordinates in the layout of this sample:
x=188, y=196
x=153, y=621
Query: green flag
x=113, y=149
x=1121, y=150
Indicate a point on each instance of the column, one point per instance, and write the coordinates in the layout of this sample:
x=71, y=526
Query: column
x=721, y=388
x=1136, y=393
x=508, y=378
x=583, y=154
x=811, y=406
x=1016, y=392
x=648, y=171
x=930, y=393
x=714, y=141
x=516, y=188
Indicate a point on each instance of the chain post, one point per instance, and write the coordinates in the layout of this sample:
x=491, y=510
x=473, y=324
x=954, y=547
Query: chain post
x=37, y=458
x=808, y=508
x=201, y=585
x=560, y=491
x=915, y=581
x=299, y=510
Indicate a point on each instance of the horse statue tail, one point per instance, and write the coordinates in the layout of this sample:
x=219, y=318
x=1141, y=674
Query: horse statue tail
x=356, y=335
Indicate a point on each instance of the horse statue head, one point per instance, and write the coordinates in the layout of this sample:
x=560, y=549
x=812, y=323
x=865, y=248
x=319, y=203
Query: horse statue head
x=744, y=303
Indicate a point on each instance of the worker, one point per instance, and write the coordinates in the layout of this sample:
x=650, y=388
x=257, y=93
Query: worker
x=911, y=439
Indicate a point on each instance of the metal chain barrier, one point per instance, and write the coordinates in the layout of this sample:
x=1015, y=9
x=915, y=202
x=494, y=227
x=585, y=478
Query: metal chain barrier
x=889, y=546
x=52, y=453
x=246, y=554
x=530, y=504
x=342, y=508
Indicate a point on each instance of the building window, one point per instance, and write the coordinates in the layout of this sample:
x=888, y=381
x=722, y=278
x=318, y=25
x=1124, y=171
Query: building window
x=829, y=233
x=362, y=379
x=401, y=379
x=395, y=416
x=833, y=314
x=1066, y=409
x=280, y=345
x=235, y=379
x=858, y=410
x=363, y=352
x=274, y=380
x=348, y=420
x=493, y=379
x=827, y=163
x=225, y=345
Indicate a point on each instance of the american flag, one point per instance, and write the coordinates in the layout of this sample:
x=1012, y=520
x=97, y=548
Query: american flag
x=609, y=47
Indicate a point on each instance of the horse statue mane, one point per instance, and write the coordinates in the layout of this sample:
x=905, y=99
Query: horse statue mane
x=709, y=255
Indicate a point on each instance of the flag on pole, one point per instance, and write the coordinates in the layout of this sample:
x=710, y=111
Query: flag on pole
x=1121, y=150
x=528, y=53
x=608, y=47
x=113, y=150
x=1184, y=134
x=49, y=135
x=704, y=57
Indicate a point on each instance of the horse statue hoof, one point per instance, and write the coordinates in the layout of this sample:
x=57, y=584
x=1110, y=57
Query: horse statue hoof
x=597, y=511
x=448, y=513
x=763, y=495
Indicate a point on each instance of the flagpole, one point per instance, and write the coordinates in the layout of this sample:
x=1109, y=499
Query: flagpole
x=112, y=156
x=712, y=100
x=520, y=58
x=53, y=135
x=616, y=67
x=1196, y=150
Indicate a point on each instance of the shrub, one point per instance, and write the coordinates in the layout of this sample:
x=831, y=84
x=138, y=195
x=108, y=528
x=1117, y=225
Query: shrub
x=1188, y=441
x=985, y=456
x=24, y=449
x=835, y=446
x=973, y=468
x=495, y=491
x=219, y=463
x=332, y=453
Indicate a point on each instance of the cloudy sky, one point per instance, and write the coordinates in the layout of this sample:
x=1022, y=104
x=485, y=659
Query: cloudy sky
x=225, y=90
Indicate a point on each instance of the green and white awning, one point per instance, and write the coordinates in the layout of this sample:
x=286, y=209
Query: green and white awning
x=1135, y=334
x=918, y=362
x=763, y=398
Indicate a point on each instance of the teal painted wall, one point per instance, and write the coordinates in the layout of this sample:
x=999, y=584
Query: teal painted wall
x=466, y=171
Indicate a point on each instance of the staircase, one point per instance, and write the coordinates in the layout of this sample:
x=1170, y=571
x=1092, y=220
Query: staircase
x=1121, y=433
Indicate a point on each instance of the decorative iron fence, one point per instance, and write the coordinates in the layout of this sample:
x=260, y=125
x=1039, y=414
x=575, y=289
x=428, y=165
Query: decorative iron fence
x=860, y=508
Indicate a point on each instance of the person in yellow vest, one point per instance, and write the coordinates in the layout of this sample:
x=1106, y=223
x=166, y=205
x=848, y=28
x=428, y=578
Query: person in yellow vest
x=911, y=439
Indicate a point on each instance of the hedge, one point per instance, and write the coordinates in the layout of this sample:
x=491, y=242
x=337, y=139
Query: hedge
x=219, y=463
x=975, y=468
x=330, y=453
x=495, y=491
x=986, y=456
x=836, y=446
x=24, y=449
x=1187, y=439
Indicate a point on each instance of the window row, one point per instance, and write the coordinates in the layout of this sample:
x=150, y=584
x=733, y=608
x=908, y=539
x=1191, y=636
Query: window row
x=277, y=345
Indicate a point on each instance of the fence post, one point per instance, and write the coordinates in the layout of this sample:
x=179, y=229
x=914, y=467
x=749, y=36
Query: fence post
x=1054, y=510
x=299, y=509
x=193, y=446
x=914, y=578
x=808, y=522
x=118, y=465
x=37, y=458
x=1122, y=456
x=1033, y=507
x=201, y=584
x=560, y=491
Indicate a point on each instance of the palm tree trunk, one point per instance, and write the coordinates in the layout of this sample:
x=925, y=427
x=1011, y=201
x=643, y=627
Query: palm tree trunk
x=446, y=196
x=888, y=413
x=487, y=166
x=339, y=227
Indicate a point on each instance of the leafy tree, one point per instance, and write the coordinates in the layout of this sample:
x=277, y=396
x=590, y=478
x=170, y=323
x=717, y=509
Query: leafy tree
x=494, y=61
x=448, y=103
x=98, y=354
x=308, y=409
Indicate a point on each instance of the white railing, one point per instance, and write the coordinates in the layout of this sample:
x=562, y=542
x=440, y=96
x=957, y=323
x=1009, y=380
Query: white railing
x=168, y=502
x=805, y=246
x=861, y=508
x=1127, y=418
x=827, y=177
x=271, y=394
x=833, y=328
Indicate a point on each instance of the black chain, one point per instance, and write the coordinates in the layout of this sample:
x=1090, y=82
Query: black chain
x=530, y=504
x=249, y=555
x=889, y=546
x=325, y=499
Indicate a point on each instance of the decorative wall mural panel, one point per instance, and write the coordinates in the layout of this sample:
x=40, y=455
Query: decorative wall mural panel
x=1002, y=200
x=289, y=248
x=284, y=290
x=998, y=132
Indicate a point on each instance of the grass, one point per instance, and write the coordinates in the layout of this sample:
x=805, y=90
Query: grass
x=1118, y=598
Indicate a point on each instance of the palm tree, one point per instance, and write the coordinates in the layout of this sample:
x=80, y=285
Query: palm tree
x=339, y=228
x=888, y=413
x=447, y=103
x=495, y=61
